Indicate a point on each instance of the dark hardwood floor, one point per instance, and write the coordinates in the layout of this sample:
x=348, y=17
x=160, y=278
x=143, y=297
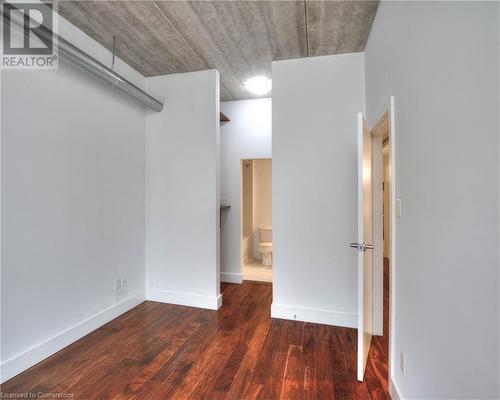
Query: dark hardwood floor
x=162, y=351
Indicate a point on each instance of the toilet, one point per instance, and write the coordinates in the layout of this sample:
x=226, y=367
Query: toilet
x=266, y=245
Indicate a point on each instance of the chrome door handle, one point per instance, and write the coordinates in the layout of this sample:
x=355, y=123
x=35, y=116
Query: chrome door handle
x=362, y=246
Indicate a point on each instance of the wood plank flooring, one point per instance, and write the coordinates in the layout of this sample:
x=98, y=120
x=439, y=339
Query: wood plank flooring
x=162, y=351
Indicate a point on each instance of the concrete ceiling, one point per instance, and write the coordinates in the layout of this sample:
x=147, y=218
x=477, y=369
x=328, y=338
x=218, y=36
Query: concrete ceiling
x=238, y=38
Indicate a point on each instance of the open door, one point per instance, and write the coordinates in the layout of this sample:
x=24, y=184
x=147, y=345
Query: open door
x=364, y=244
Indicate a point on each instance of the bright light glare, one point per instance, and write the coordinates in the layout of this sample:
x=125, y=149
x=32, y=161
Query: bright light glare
x=258, y=85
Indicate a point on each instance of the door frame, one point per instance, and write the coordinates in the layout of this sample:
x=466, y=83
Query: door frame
x=387, y=116
x=242, y=161
x=378, y=133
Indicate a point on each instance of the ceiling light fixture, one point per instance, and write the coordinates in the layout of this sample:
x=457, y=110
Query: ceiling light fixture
x=259, y=85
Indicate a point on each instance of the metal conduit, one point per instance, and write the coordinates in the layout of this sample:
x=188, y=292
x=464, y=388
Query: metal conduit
x=85, y=61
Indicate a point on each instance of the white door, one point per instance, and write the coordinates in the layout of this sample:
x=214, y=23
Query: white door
x=364, y=244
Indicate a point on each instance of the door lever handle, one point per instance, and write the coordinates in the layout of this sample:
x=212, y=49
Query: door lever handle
x=362, y=246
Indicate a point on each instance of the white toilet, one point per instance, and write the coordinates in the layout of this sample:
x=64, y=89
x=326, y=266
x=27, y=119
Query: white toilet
x=266, y=245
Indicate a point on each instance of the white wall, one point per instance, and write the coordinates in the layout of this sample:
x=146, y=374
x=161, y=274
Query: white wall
x=315, y=102
x=247, y=197
x=72, y=205
x=182, y=193
x=262, y=201
x=440, y=61
x=246, y=136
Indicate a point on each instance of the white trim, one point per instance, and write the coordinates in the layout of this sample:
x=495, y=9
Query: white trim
x=33, y=355
x=392, y=231
x=327, y=317
x=394, y=391
x=185, y=299
x=231, y=277
x=378, y=233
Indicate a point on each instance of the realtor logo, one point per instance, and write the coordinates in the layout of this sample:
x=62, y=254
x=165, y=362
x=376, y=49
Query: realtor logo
x=28, y=36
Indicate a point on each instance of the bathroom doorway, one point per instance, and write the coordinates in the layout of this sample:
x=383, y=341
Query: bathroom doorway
x=256, y=220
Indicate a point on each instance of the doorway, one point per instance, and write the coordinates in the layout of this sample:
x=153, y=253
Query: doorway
x=384, y=208
x=256, y=220
x=376, y=149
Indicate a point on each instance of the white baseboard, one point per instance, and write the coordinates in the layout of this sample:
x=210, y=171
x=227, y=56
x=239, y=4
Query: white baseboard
x=394, y=391
x=185, y=299
x=231, y=277
x=378, y=332
x=327, y=317
x=20, y=362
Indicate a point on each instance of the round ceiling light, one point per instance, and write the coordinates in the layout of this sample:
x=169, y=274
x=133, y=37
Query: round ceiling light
x=259, y=85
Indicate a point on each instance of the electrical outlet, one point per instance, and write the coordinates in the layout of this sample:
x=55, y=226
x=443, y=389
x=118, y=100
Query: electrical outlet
x=118, y=283
x=402, y=363
x=124, y=281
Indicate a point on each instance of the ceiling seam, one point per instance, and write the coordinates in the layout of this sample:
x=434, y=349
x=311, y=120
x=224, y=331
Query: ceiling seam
x=189, y=43
x=307, y=29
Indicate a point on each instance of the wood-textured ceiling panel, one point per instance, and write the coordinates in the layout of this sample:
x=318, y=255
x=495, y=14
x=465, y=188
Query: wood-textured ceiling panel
x=336, y=27
x=241, y=38
x=145, y=38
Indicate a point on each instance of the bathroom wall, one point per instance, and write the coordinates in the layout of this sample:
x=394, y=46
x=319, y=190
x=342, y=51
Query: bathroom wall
x=247, y=197
x=262, y=201
x=182, y=193
x=246, y=136
x=315, y=102
x=440, y=61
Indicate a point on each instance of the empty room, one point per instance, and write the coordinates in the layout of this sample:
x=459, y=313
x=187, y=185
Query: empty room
x=250, y=200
